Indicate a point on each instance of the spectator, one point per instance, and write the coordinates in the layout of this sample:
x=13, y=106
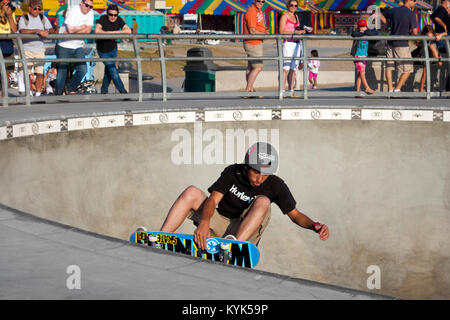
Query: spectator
x=441, y=19
x=35, y=23
x=79, y=20
x=135, y=26
x=362, y=52
x=7, y=25
x=50, y=79
x=291, y=48
x=402, y=21
x=110, y=23
x=254, y=23
x=313, y=66
x=433, y=52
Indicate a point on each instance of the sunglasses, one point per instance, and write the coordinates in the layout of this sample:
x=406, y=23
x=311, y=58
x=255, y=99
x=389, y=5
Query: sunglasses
x=260, y=1
x=112, y=15
x=88, y=5
x=36, y=8
x=293, y=5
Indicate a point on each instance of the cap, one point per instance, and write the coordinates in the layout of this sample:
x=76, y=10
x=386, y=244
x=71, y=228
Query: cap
x=35, y=3
x=362, y=23
x=262, y=157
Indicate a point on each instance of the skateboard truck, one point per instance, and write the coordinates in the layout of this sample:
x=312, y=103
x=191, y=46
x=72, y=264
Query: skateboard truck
x=225, y=254
x=152, y=241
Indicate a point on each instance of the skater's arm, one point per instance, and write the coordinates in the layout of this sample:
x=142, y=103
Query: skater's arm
x=305, y=222
x=209, y=207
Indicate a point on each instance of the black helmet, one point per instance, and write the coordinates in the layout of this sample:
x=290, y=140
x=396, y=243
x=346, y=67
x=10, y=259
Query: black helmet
x=262, y=157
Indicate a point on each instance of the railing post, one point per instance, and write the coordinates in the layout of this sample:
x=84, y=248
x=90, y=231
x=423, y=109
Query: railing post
x=4, y=79
x=26, y=76
x=447, y=47
x=305, y=70
x=138, y=67
x=280, y=68
x=163, y=69
x=427, y=67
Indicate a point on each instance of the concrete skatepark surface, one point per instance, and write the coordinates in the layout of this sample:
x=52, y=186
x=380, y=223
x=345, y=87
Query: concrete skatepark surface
x=382, y=187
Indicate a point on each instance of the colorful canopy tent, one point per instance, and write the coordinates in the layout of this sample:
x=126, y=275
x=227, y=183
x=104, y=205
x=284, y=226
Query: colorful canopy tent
x=271, y=9
x=359, y=5
x=230, y=7
x=422, y=16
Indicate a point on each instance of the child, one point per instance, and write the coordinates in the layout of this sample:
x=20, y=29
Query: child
x=313, y=66
x=50, y=79
x=361, y=52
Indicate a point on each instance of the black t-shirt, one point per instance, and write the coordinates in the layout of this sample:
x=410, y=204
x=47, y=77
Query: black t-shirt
x=401, y=20
x=442, y=14
x=238, y=193
x=107, y=45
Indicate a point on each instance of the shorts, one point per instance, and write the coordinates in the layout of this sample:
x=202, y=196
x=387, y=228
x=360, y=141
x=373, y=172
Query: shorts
x=360, y=65
x=254, y=50
x=402, y=66
x=292, y=50
x=221, y=226
x=312, y=76
x=38, y=66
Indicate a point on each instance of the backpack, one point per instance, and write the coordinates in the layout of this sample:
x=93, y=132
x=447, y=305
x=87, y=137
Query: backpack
x=354, y=48
x=27, y=19
x=377, y=48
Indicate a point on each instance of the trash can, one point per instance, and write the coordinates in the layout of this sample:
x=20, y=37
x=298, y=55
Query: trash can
x=200, y=76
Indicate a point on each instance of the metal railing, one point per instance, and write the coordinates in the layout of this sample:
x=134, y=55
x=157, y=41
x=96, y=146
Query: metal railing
x=162, y=59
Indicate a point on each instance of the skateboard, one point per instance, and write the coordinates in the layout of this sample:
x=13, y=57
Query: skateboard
x=227, y=251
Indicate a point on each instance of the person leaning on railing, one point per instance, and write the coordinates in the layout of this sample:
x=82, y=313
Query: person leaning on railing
x=441, y=19
x=7, y=25
x=35, y=22
x=292, y=48
x=79, y=19
x=402, y=21
x=254, y=23
x=107, y=48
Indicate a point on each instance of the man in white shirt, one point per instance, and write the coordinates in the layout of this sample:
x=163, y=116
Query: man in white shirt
x=35, y=23
x=79, y=19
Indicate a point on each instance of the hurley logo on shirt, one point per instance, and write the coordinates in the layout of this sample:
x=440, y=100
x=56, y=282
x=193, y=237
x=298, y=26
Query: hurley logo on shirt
x=241, y=195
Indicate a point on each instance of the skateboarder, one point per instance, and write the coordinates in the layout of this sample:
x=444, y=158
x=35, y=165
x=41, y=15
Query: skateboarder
x=239, y=201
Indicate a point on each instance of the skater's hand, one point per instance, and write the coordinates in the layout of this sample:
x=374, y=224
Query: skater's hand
x=322, y=230
x=200, y=235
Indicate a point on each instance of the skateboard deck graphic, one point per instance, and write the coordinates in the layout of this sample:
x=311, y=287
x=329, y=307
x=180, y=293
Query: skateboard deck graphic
x=234, y=252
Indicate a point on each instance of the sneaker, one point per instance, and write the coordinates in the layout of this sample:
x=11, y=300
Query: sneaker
x=397, y=90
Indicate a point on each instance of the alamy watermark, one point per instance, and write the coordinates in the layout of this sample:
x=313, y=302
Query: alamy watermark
x=373, y=22
x=214, y=146
x=374, y=280
x=73, y=282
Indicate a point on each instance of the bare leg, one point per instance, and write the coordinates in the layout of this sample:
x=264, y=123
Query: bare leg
x=358, y=82
x=291, y=79
x=252, y=78
x=404, y=76
x=253, y=219
x=39, y=82
x=422, y=80
x=389, y=79
x=191, y=198
x=362, y=75
x=285, y=78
